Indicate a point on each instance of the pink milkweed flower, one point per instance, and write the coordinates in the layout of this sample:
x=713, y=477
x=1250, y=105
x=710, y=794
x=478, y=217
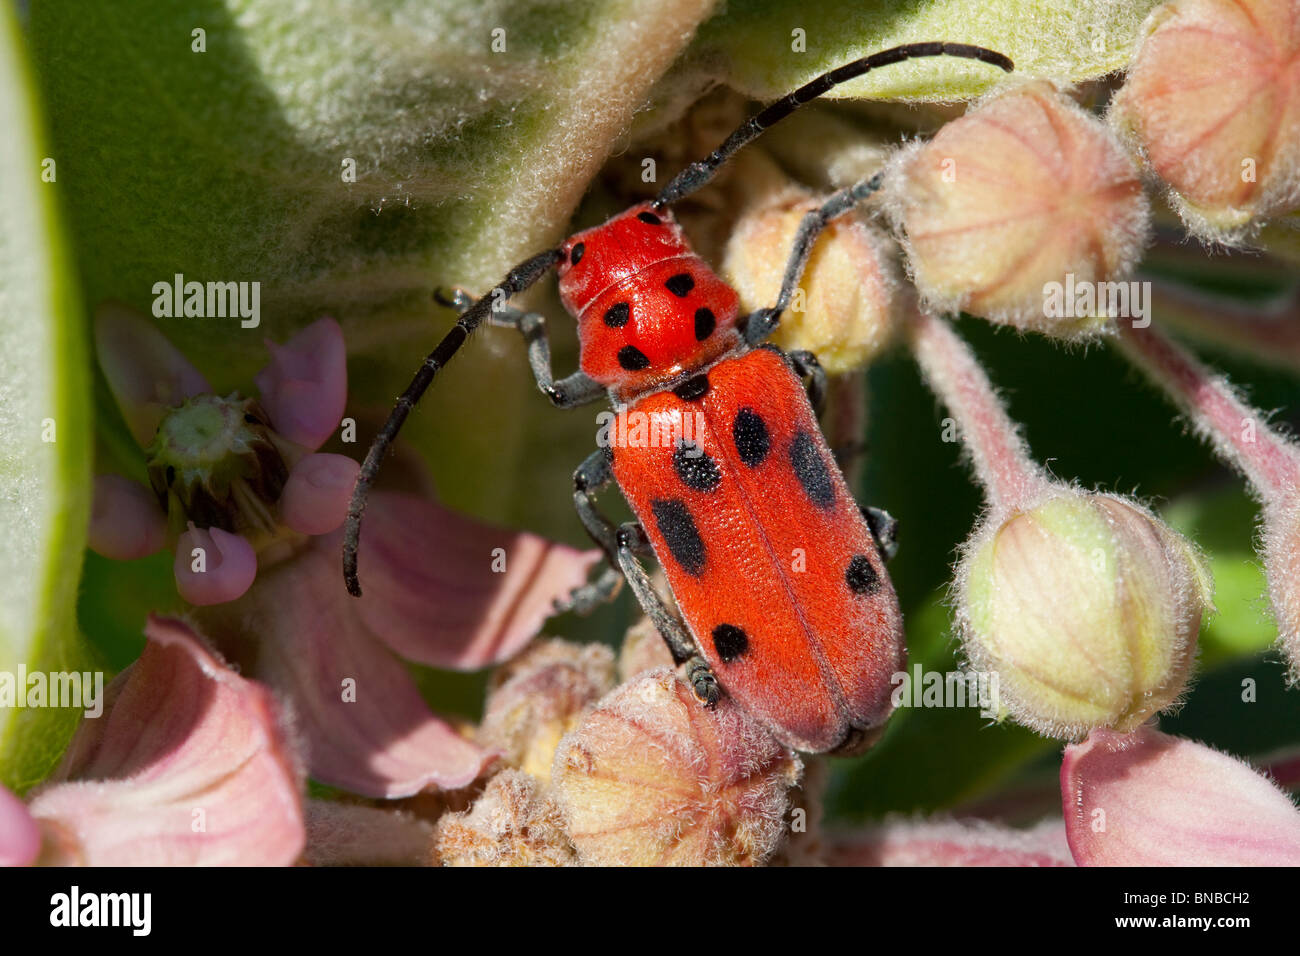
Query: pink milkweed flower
x=230, y=476
x=442, y=590
x=188, y=765
x=1149, y=799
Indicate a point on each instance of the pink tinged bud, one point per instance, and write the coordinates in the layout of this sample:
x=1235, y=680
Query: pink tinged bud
x=213, y=566
x=1213, y=100
x=1282, y=563
x=448, y=591
x=1086, y=607
x=145, y=372
x=513, y=823
x=537, y=698
x=344, y=834
x=315, y=498
x=367, y=729
x=126, y=522
x=643, y=650
x=953, y=843
x=304, y=388
x=1148, y=799
x=187, y=766
x=20, y=837
x=846, y=308
x=652, y=777
x=1015, y=209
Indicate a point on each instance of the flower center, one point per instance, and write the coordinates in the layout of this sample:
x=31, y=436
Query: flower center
x=214, y=461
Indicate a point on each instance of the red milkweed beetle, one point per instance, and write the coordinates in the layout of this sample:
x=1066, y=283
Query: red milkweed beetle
x=808, y=653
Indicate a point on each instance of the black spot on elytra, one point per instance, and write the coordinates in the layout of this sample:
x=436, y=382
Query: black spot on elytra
x=861, y=576
x=693, y=389
x=681, y=284
x=679, y=533
x=575, y=254
x=730, y=642
x=696, y=467
x=616, y=315
x=651, y=218
x=705, y=323
x=811, y=470
x=632, y=358
x=749, y=432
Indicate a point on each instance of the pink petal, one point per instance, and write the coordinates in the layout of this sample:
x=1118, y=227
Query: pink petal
x=20, y=837
x=145, y=372
x=1148, y=799
x=953, y=843
x=126, y=522
x=185, y=767
x=315, y=498
x=430, y=591
x=366, y=726
x=229, y=568
x=305, y=386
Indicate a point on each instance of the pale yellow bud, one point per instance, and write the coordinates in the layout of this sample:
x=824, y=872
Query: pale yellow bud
x=1086, y=607
x=846, y=308
x=513, y=823
x=536, y=699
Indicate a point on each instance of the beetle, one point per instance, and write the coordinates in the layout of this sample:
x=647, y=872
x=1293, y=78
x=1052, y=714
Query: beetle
x=746, y=480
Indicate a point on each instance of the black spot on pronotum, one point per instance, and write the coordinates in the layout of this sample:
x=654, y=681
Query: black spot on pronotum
x=632, y=358
x=575, y=255
x=705, y=323
x=616, y=315
x=693, y=389
x=861, y=576
x=679, y=533
x=651, y=218
x=749, y=432
x=730, y=642
x=811, y=470
x=680, y=285
x=696, y=467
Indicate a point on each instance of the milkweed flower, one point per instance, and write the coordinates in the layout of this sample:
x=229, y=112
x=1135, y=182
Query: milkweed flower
x=442, y=590
x=189, y=764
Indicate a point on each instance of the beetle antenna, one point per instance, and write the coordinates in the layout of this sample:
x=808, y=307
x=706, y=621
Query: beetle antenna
x=698, y=173
x=520, y=278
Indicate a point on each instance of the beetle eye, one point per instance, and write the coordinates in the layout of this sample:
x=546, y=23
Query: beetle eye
x=651, y=218
x=575, y=254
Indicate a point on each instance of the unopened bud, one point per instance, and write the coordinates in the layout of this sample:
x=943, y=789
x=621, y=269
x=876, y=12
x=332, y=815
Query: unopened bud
x=537, y=697
x=1282, y=563
x=1087, y=607
x=846, y=307
x=1025, y=195
x=513, y=823
x=652, y=777
x=1213, y=101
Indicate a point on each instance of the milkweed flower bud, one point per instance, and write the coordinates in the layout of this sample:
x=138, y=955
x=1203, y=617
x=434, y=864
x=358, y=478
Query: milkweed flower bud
x=846, y=307
x=1087, y=607
x=651, y=777
x=537, y=697
x=513, y=823
x=1226, y=140
x=1022, y=199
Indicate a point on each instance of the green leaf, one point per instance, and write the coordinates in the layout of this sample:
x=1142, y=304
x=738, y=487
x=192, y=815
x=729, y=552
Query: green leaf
x=44, y=428
x=1069, y=42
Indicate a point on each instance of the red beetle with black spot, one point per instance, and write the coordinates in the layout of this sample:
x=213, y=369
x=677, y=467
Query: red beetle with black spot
x=777, y=572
